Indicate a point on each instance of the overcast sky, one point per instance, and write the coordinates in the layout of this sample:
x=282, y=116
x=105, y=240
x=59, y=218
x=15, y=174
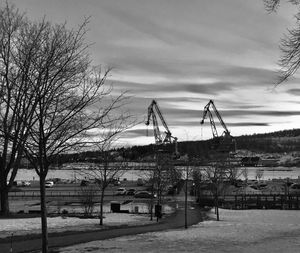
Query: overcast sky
x=184, y=53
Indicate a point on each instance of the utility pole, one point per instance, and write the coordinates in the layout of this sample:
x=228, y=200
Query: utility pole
x=186, y=194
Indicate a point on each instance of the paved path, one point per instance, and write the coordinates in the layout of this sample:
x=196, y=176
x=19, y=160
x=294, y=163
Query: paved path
x=56, y=240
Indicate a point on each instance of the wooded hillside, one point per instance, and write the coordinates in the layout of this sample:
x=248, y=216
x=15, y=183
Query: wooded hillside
x=276, y=142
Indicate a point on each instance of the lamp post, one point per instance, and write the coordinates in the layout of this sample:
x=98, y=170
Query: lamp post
x=186, y=193
x=11, y=243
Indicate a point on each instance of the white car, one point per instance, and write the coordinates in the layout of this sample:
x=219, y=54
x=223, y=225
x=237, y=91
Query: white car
x=120, y=191
x=26, y=183
x=49, y=184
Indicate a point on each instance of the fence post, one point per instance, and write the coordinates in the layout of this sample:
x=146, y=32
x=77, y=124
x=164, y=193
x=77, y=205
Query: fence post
x=243, y=198
x=235, y=201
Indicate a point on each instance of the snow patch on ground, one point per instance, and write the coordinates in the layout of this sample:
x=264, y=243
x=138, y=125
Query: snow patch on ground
x=245, y=231
x=60, y=224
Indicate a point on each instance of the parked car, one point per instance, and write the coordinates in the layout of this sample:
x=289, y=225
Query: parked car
x=17, y=183
x=84, y=183
x=117, y=182
x=140, y=182
x=49, y=184
x=120, y=191
x=294, y=188
x=26, y=183
x=130, y=191
x=171, y=190
x=21, y=183
x=144, y=194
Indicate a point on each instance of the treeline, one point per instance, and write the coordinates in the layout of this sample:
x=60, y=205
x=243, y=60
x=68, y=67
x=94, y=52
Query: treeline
x=275, y=142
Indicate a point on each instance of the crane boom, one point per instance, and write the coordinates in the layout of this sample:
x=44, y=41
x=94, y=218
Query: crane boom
x=212, y=123
x=225, y=143
x=159, y=139
x=220, y=118
x=153, y=109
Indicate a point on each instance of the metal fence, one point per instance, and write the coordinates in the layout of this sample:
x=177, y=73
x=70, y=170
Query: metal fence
x=253, y=201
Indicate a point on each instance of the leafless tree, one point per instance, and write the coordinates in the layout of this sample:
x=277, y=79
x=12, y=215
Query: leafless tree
x=259, y=173
x=197, y=179
x=70, y=98
x=88, y=198
x=219, y=174
x=245, y=173
x=17, y=48
x=109, y=166
x=148, y=174
x=216, y=176
x=104, y=172
x=164, y=174
x=290, y=58
x=160, y=175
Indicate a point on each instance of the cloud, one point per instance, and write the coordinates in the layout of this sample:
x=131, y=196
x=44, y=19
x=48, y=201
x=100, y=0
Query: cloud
x=245, y=124
x=295, y=92
x=233, y=77
x=139, y=132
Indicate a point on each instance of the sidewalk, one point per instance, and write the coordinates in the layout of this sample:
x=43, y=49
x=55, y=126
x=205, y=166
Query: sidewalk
x=56, y=240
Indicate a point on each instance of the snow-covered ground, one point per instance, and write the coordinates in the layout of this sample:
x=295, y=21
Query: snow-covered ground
x=59, y=224
x=245, y=231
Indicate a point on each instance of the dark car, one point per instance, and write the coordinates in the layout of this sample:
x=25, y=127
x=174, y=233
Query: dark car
x=140, y=182
x=84, y=183
x=144, y=195
x=294, y=188
x=130, y=191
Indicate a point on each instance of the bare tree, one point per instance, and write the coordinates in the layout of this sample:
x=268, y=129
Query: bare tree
x=71, y=98
x=289, y=46
x=108, y=167
x=216, y=176
x=259, y=173
x=219, y=174
x=197, y=179
x=245, y=173
x=88, y=198
x=149, y=176
x=17, y=48
x=161, y=175
x=165, y=174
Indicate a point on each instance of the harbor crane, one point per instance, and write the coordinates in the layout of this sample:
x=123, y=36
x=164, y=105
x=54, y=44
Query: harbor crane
x=224, y=143
x=160, y=137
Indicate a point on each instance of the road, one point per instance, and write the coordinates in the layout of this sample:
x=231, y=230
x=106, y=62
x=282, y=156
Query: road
x=27, y=198
x=70, y=189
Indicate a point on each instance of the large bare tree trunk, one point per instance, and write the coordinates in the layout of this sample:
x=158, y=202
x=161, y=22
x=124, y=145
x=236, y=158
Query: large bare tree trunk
x=3, y=191
x=217, y=204
x=101, y=207
x=4, y=200
x=43, y=215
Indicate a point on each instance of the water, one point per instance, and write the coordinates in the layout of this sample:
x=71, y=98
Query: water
x=69, y=174
x=268, y=173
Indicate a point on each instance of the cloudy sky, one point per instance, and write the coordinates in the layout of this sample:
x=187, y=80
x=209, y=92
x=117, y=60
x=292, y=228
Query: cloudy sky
x=184, y=53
